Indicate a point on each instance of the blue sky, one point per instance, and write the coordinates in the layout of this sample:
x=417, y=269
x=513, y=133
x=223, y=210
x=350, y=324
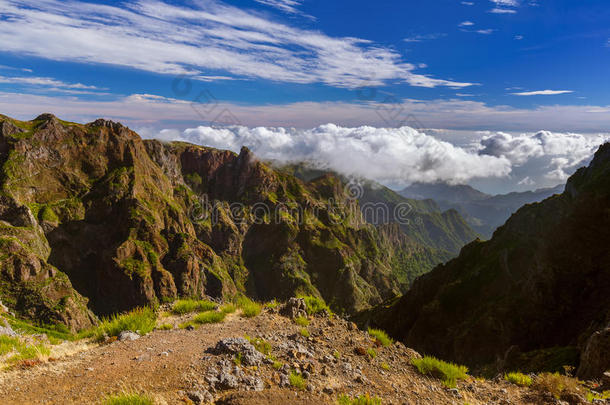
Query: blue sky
x=464, y=67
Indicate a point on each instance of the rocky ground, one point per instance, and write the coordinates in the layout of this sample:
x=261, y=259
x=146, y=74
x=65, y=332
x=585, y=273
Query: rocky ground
x=200, y=365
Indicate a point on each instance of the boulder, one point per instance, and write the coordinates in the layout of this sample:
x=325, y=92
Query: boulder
x=128, y=335
x=595, y=359
x=294, y=308
x=249, y=355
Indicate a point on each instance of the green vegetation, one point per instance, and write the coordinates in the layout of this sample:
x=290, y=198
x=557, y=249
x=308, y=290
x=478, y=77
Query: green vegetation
x=181, y=307
x=521, y=379
x=304, y=332
x=385, y=366
x=558, y=385
x=56, y=332
x=371, y=352
x=448, y=373
x=47, y=214
x=591, y=395
x=381, y=337
x=336, y=354
x=359, y=400
x=301, y=321
x=140, y=320
x=209, y=317
x=314, y=304
x=249, y=308
x=272, y=304
x=228, y=308
x=237, y=360
x=185, y=325
x=22, y=350
x=165, y=326
x=260, y=344
x=128, y=398
x=277, y=364
x=297, y=381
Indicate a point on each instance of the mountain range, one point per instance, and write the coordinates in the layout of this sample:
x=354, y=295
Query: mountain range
x=483, y=212
x=94, y=220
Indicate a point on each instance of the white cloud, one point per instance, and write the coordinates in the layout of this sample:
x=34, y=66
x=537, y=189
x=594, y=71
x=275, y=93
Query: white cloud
x=45, y=82
x=518, y=37
x=543, y=93
x=561, y=152
x=287, y=6
x=466, y=24
x=424, y=37
x=468, y=3
x=498, y=10
x=505, y=3
x=504, y=6
x=210, y=36
x=390, y=155
x=485, y=31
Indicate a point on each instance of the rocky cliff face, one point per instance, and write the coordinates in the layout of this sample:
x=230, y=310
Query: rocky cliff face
x=533, y=297
x=93, y=217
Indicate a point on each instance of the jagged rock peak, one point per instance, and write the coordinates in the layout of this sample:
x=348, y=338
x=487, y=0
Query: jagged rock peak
x=100, y=122
x=46, y=117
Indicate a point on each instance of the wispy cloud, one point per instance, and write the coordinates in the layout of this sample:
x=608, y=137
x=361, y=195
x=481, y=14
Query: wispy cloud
x=287, y=6
x=504, y=6
x=46, y=82
x=466, y=24
x=210, y=36
x=150, y=110
x=498, y=10
x=487, y=31
x=543, y=93
x=424, y=37
x=468, y=3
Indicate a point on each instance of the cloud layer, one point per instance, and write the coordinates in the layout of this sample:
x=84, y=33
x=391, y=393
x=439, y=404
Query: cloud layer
x=562, y=152
x=207, y=38
x=389, y=155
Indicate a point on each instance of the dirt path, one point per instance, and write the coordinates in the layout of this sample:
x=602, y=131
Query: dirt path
x=167, y=364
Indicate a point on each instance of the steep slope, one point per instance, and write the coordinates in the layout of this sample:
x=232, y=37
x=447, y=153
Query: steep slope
x=483, y=212
x=533, y=297
x=421, y=220
x=93, y=212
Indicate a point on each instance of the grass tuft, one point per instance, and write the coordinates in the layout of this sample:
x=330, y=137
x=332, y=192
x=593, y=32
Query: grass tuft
x=228, y=308
x=381, y=337
x=448, y=373
x=128, y=398
x=297, y=381
x=371, y=352
x=260, y=344
x=140, y=320
x=209, y=317
x=359, y=400
x=520, y=379
x=304, y=332
x=301, y=321
x=558, y=385
x=22, y=350
x=315, y=304
x=165, y=326
x=249, y=308
x=181, y=307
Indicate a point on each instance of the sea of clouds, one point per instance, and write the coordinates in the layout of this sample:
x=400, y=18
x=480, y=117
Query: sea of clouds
x=400, y=156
